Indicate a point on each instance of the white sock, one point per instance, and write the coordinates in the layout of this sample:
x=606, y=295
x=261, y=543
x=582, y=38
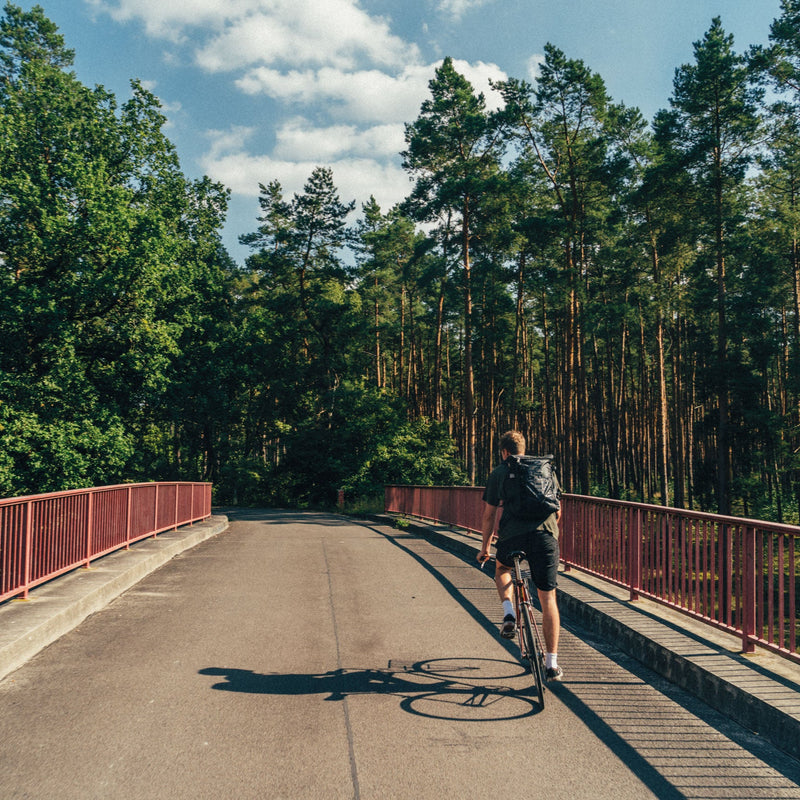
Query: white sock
x=551, y=661
x=508, y=608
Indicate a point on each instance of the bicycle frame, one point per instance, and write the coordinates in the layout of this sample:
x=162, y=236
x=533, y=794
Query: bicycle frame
x=530, y=641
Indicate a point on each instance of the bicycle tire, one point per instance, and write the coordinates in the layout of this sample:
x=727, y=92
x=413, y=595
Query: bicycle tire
x=532, y=650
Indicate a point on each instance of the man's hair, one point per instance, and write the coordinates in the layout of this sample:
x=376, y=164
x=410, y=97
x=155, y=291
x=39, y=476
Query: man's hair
x=513, y=442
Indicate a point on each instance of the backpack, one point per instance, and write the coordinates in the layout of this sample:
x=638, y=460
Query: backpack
x=530, y=488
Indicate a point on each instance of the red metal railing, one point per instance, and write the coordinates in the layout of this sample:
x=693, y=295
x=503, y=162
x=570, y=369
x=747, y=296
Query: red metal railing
x=45, y=535
x=736, y=574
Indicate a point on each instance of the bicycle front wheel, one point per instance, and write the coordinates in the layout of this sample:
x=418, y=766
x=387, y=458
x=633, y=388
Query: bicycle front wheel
x=532, y=651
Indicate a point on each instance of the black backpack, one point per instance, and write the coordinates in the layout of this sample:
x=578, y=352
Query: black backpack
x=530, y=488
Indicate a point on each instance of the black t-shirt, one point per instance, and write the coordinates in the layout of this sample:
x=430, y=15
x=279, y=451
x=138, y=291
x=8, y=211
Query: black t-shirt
x=510, y=527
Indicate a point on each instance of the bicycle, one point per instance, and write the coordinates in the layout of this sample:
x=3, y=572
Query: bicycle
x=530, y=642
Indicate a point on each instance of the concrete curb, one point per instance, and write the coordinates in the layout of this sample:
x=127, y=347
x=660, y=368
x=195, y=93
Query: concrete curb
x=724, y=680
x=55, y=608
x=761, y=693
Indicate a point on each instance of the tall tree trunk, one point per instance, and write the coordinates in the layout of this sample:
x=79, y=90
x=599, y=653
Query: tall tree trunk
x=438, y=411
x=553, y=420
x=662, y=445
x=517, y=357
x=402, y=355
x=723, y=445
x=794, y=366
x=681, y=421
x=378, y=373
x=469, y=377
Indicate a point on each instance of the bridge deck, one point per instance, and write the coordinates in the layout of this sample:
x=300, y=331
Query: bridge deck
x=308, y=655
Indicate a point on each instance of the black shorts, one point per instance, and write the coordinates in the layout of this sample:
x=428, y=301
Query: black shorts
x=541, y=547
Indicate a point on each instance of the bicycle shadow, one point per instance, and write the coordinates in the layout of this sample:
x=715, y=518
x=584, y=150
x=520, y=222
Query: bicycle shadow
x=421, y=690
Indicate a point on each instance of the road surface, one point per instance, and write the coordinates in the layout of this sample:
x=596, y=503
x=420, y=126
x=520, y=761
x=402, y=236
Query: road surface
x=310, y=656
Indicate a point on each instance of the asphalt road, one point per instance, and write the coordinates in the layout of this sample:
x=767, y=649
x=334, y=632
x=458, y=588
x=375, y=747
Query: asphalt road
x=308, y=656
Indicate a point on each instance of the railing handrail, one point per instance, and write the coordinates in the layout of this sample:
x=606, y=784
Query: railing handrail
x=778, y=527
x=46, y=535
x=88, y=489
x=792, y=530
x=733, y=573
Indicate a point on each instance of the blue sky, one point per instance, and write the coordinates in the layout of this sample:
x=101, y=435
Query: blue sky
x=257, y=90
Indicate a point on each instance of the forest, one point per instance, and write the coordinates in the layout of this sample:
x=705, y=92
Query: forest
x=626, y=292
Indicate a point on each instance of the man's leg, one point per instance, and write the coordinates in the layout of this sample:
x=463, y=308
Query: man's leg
x=551, y=619
x=502, y=579
x=505, y=588
x=551, y=622
x=543, y=558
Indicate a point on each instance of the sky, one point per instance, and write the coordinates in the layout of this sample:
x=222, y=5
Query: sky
x=262, y=90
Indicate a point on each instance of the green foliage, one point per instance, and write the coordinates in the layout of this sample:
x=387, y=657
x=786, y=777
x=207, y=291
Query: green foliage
x=361, y=443
x=418, y=452
x=60, y=447
x=103, y=245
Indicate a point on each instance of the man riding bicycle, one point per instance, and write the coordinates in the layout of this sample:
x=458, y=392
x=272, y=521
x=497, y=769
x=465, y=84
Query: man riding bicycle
x=539, y=541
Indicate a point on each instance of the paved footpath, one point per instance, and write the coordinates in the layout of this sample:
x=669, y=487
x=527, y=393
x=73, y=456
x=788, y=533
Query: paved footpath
x=312, y=656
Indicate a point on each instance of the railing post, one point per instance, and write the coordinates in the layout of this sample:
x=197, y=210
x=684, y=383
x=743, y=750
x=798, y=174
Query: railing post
x=155, y=515
x=89, y=528
x=634, y=552
x=749, y=590
x=568, y=515
x=128, y=518
x=28, y=548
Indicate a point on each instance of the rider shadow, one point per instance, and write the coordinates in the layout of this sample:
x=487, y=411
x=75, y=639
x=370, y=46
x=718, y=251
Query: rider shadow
x=420, y=692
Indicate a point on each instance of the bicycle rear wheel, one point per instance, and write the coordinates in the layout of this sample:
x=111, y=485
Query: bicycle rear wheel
x=531, y=649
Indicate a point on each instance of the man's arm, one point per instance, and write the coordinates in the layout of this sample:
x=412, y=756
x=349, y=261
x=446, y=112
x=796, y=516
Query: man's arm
x=487, y=529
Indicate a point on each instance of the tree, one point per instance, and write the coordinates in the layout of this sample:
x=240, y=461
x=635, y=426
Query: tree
x=560, y=128
x=453, y=151
x=298, y=254
x=779, y=64
x=385, y=245
x=711, y=130
x=367, y=442
x=781, y=59
x=94, y=221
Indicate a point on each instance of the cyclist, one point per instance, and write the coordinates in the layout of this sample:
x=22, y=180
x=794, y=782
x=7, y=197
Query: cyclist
x=539, y=540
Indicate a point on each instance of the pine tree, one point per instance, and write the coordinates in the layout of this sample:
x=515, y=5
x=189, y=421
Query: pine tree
x=453, y=151
x=712, y=129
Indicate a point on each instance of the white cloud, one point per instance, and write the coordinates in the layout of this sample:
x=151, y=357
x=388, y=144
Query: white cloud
x=479, y=75
x=168, y=20
x=234, y=34
x=296, y=33
x=328, y=52
x=356, y=178
x=223, y=142
x=347, y=81
x=298, y=139
x=535, y=67
x=459, y=7
x=361, y=95
x=364, y=157
x=366, y=95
